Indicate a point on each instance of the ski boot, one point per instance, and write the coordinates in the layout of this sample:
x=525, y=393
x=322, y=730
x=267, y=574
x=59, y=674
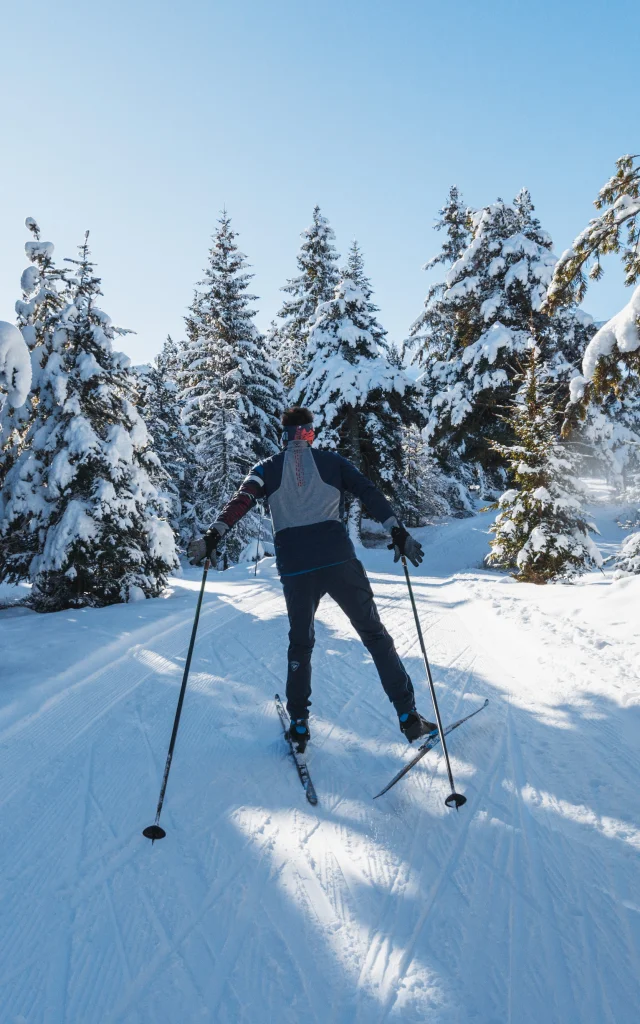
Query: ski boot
x=413, y=725
x=299, y=734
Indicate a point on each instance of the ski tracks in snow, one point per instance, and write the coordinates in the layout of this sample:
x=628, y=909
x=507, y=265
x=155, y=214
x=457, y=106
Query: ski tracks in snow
x=257, y=908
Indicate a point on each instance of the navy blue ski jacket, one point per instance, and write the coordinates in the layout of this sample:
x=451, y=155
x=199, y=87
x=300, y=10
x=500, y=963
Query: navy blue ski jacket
x=305, y=491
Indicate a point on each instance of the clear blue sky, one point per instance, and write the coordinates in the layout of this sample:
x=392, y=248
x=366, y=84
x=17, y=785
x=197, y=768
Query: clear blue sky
x=140, y=120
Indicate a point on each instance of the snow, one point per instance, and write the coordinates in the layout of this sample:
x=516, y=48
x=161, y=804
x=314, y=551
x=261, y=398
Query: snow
x=345, y=383
x=88, y=366
x=521, y=907
x=161, y=539
x=15, y=366
x=542, y=494
x=623, y=331
x=628, y=559
x=576, y=389
x=489, y=344
x=39, y=250
x=30, y=280
x=75, y=527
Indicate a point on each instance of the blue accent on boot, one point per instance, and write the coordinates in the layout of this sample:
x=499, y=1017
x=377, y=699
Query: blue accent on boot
x=404, y=717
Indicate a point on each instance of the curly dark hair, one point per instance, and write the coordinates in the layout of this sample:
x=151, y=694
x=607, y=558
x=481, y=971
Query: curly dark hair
x=296, y=416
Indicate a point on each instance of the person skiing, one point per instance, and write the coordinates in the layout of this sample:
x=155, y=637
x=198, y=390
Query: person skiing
x=305, y=490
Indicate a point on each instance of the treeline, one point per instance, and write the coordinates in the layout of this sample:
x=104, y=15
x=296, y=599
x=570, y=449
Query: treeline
x=107, y=470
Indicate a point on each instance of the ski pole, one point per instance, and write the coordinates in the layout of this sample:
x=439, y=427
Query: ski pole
x=454, y=799
x=154, y=831
x=255, y=571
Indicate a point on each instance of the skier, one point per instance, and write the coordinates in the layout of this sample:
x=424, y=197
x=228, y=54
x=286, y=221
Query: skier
x=305, y=489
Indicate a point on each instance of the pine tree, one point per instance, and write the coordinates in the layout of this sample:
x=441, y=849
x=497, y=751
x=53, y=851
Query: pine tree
x=230, y=388
x=168, y=361
x=627, y=561
x=46, y=295
x=361, y=401
x=540, y=531
x=315, y=284
x=607, y=432
x=82, y=513
x=160, y=407
x=455, y=219
x=434, y=330
x=612, y=359
x=619, y=200
x=424, y=493
x=475, y=331
x=605, y=398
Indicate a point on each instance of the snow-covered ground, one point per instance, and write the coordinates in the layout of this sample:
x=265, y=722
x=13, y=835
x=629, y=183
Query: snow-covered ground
x=523, y=907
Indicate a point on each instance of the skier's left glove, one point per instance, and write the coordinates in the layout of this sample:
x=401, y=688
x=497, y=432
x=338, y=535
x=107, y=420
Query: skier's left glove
x=404, y=544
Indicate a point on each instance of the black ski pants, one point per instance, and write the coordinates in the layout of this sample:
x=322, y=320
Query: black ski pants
x=348, y=585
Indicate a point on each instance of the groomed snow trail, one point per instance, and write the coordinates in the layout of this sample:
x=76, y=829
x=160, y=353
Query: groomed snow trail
x=523, y=907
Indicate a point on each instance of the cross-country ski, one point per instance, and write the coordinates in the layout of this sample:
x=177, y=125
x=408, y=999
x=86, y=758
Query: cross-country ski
x=424, y=748
x=298, y=759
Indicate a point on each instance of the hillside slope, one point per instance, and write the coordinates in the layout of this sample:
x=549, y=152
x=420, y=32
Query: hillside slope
x=522, y=907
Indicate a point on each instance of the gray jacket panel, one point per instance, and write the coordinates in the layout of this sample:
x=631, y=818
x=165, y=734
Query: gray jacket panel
x=303, y=498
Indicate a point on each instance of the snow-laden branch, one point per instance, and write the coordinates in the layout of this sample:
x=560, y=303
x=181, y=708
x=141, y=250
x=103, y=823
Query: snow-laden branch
x=15, y=365
x=619, y=337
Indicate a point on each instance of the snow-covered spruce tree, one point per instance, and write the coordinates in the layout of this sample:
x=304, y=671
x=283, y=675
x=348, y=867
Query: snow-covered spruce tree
x=41, y=313
x=161, y=409
x=607, y=432
x=423, y=492
x=83, y=514
x=455, y=221
x=230, y=388
x=168, y=361
x=627, y=561
x=318, y=266
x=540, y=531
x=433, y=334
x=474, y=332
x=432, y=339
x=46, y=294
x=611, y=365
x=361, y=401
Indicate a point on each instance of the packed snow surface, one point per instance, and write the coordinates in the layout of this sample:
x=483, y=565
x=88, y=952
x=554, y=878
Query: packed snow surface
x=522, y=907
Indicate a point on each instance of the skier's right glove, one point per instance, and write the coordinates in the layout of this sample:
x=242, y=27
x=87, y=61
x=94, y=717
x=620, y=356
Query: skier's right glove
x=404, y=544
x=204, y=547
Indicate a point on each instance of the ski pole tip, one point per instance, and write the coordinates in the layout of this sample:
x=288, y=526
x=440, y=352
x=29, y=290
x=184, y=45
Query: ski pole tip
x=455, y=800
x=154, y=832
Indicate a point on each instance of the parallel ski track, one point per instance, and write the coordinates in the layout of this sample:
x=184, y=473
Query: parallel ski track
x=252, y=885
x=61, y=730
x=55, y=726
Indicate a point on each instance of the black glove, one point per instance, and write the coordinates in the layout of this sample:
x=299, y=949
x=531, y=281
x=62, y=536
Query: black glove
x=204, y=547
x=404, y=544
